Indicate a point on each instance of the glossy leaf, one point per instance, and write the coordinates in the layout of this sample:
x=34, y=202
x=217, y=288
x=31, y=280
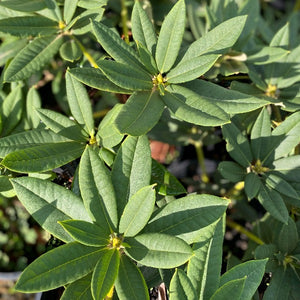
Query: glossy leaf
x=231, y=171
x=96, y=79
x=142, y=28
x=58, y=267
x=131, y=169
x=170, y=37
x=28, y=139
x=137, y=211
x=254, y=270
x=62, y=125
x=181, y=287
x=185, y=217
x=28, y=26
x=230, y=290
x=28, y=6
x=140, y=113
x=273, y=203
x=49, y=203
x=79, y=103
x=97, y=190
x=158, y=250
x=191, y=69
x=126, y=76
x=46, y=157
x=190, y=107
x=33, y=57
x=105, y=273
x=237, y=145
x=79, y=289
x=115, y=46
x=130, y=283
x=86, y=233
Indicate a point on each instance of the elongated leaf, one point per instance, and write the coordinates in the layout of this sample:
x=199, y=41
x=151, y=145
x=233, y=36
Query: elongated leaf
x=252, y=185
x=52, y=11
x=237, y=145
x=56, y=267
x=28, y=26
x=131, y=169
x=5, y=184
x=130, y=283
x=181, y=287
x=33, y=101
x=96, y=79
x=105, y=273
x=86, y=233
x=190, y=107
x=24, y=6
x=230, y=290
x=49, y=203
x=147, y=58
x=273, y=203
x=185, y=217
x=142, y=28
x=267, y=55
x=204, y=267
x=62, y=125
x=92, y=4
x=137, y=211
x=79, y=289
x=289, y=167
x=191, y=69
x=115, y=46
x=97, y=190
x=230, y=101
x=43, y=157
x=28, y=139
x=260, y=134
x=126, y=76
x=69, y=9
x=11, y=111
x=231, y=171
x=254, y=270
x=158, y=250
x=140, y=113
x=218, y=40
x=79, y=103
x=107, y=131
x=33, y=57
x=9, y=50
x=170, y=37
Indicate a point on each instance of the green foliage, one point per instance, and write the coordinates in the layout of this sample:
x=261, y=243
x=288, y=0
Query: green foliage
x=90, y=86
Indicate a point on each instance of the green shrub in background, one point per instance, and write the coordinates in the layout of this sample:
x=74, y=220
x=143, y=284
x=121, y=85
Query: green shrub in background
x=182, y=70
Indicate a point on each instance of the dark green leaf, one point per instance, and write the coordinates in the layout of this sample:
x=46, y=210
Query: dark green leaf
x=232, y=171
x=33, y=101
x=252, y=185
x=230, y=290
x=70, y=51
x=24, y=6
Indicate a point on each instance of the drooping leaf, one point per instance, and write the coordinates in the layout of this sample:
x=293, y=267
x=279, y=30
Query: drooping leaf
x=185, y=217
x=254, y=270
x=131, y=169
x=181, y=287
x=230, y=290
x=28, y=26
x=96, y=79
x=170, y=37
x=130, y=283
x=105, y=273
x=33, y=57
x=137, y=211
x=142, y=28
x=158, y=250
x=190, y=107
x=79, y=103
x=237, y=145
x=232, y=171
x=97, y=190
x=126, y=76
x=140, y=113
x=62, y=125
x=79, y=289
x=45, y=157
x=58, y=267
x=27, y=6
x=28, y=139
x=49, y=203
x=115, y=46
x=86, y=233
